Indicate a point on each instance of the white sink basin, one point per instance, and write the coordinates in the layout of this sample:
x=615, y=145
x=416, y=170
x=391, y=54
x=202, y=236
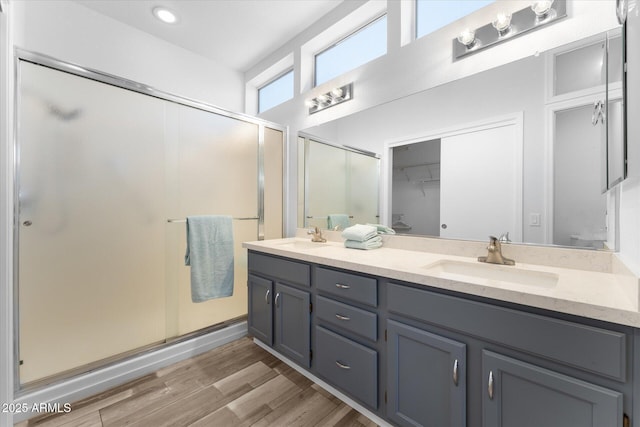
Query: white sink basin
x=301, y=245
x=491, y=273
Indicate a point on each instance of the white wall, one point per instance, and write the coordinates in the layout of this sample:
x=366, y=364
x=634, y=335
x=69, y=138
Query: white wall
x=73, y=33
x=422, y=64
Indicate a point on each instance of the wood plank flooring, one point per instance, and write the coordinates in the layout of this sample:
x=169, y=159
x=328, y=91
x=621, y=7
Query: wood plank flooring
x=238, y=384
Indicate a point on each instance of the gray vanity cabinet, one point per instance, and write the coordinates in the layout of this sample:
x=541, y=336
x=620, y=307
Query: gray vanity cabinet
x=518, y=394
x=292, y=323
x=279, y=305
x=426, y=378
x=260, y=317
x=418, y=356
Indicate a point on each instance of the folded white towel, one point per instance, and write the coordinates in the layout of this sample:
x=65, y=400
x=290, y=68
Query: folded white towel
x=383, y=229
x=359, y=232
x=372, y=243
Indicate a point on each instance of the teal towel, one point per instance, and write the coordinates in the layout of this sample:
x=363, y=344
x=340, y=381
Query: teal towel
x=359, y=232
x=373, y=243
x=210, y=255
x=338, y=221
x=383, y=229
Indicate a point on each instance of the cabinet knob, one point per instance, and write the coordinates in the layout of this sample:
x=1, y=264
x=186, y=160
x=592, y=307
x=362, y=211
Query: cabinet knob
x=266, y=296
x=277, y=297
x=341, y=317
x=341, y=286
x=455, y=372
x=27, y=223
x=490, y=385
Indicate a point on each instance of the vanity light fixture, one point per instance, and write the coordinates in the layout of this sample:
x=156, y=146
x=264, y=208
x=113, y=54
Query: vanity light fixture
x=335, y=96
x=506, y=26
x=165, y=15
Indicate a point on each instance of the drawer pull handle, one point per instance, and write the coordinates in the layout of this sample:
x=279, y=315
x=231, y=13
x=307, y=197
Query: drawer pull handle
x=266, y=296
x=341, y=286
x=341, y=317
x=455, y=372
x=277, y=297
x=342, y=365
x=490, y=385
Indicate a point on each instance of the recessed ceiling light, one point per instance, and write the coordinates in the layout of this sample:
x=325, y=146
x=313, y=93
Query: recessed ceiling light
x=165, y=15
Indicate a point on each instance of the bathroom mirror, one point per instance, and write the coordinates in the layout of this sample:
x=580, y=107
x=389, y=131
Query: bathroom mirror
x=338, y=186
x=543, y=185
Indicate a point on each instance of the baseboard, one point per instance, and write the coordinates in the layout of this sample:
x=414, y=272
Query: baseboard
x=97, y=381
x=346, y=399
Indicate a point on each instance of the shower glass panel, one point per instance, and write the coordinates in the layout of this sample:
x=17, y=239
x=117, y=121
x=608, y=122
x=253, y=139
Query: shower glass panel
x=212, y=170
x=91, y=229
x=337, y=180
x=363, y=187
x=326, y=172
x=101, y=171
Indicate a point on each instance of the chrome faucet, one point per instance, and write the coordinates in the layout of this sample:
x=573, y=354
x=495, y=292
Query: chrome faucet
x=494, y=255
x=316, y=235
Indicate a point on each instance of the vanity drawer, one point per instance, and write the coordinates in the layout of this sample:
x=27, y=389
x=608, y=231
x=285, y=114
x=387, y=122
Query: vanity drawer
x=592, y=349
x=348, y=365
x=288, y=271
x=347, y=317
x=348, y=286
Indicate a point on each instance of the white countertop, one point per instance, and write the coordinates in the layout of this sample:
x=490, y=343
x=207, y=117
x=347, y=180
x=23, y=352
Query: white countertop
x=607, y=296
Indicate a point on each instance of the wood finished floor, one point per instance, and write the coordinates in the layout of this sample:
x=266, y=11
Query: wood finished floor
x=238, y=384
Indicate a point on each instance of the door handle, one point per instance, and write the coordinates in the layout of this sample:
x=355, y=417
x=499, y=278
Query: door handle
x=341, y=286
x=342, y=365
x=277, y=297
x=266, y=296
x=490, y=385
x=455, y=372
x=341, y=317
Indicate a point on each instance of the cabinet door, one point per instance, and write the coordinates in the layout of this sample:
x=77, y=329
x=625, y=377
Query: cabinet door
x=260, y=313
x=426, y=378
x=518, y=394
x=292, y=323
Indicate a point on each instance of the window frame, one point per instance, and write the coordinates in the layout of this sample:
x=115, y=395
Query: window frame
x=352, y=33
x=288, y=70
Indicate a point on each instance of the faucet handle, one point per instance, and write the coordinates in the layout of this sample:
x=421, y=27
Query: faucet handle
x=504, y=238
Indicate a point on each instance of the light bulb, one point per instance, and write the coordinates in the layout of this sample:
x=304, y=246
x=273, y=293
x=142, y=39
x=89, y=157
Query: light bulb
x=541, y=8
x=323, y=99
x=502, y=22
x=337, y=92
x=467, y=37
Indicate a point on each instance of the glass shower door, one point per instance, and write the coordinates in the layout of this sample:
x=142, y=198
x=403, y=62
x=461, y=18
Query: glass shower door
x=91, y=230
x=212, y=169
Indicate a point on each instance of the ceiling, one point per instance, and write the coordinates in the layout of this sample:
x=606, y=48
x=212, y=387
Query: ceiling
x=234, y=33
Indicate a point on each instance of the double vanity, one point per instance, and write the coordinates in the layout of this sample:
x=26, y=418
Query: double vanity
x=419, y=332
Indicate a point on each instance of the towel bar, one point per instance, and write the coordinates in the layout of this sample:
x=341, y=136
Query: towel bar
x=238, y=219
x=322, y=217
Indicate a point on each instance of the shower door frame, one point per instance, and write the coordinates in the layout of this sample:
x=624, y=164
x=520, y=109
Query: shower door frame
x=122, y=83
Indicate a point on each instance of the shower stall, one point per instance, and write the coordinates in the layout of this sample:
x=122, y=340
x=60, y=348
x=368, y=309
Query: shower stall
x=107, y=170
